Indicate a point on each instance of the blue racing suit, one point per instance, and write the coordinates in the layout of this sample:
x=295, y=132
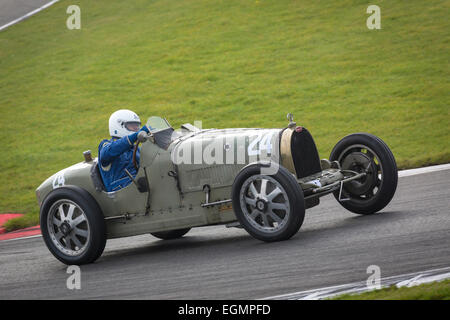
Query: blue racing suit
x=114, y=156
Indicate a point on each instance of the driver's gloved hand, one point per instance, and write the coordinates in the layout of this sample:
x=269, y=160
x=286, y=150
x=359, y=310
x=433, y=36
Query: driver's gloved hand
x=133, y=137
x=144, y=128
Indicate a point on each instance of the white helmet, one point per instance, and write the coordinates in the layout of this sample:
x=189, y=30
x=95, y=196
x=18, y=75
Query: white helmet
x=119, y=121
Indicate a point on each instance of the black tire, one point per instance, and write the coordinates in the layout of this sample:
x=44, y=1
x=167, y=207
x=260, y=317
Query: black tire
x=293, y=194
x=382, y=163
x=93, y=218
x=172, y=234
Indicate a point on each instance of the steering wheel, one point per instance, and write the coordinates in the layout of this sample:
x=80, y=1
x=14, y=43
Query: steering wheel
x=141, y=138
x=136, y=146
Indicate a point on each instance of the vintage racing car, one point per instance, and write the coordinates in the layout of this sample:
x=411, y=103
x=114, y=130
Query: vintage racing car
x=258, y=179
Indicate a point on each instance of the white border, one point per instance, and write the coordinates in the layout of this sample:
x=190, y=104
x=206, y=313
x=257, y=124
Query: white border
x=21, y=238
x=29, y=14
x=404, y=280
x=413, y=172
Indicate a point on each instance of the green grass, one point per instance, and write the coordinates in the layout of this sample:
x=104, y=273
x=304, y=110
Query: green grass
x=229, y=63
x=429, y=291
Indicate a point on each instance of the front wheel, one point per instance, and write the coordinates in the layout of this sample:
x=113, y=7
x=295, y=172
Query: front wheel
x=269, y=207
x=363, y=152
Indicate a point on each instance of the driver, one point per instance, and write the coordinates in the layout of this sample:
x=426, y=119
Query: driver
x=116, y=155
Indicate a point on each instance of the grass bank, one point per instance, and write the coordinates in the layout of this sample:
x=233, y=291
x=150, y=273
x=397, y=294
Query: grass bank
x=229, y=63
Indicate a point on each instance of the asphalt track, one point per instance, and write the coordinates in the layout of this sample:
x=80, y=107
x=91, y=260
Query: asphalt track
x=333, y=247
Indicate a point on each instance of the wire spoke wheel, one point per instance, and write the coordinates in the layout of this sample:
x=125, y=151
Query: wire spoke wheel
x=68, y=227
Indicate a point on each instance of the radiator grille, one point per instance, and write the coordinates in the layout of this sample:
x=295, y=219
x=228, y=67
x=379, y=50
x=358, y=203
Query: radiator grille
x=304, y=153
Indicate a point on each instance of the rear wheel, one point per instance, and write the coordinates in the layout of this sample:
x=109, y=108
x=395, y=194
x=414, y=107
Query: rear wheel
x=172, y=234
x=73, y=226
x=363, y=152
x=269, y=207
